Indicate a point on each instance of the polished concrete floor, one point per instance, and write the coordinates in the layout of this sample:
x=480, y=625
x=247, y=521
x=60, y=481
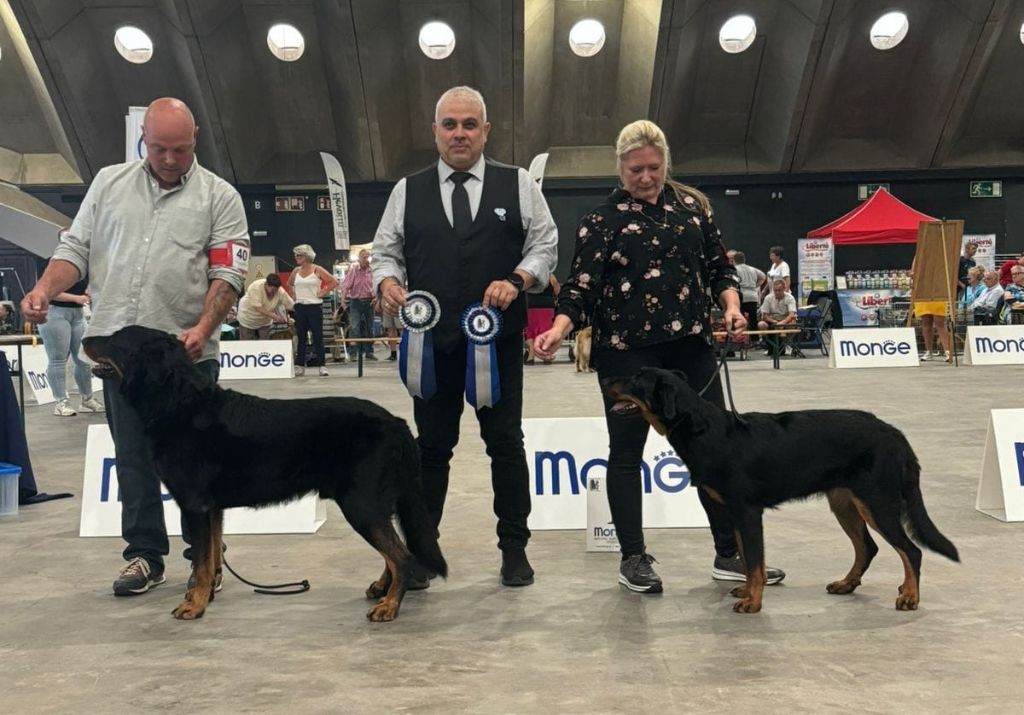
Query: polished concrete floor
x=575, y=642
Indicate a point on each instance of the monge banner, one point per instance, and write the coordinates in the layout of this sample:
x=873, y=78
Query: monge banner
x=874, y=347
x=994, y=345
x=255, y=359
x=564, y=453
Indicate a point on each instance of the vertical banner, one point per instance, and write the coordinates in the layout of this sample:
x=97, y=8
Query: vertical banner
x=339, y=201
x=537, y=167
x=986, y=255
x=134, y=149
x=816, y=268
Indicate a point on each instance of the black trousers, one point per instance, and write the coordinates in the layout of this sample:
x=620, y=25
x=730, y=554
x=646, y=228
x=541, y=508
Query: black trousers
x=628, y=434
x=309, y=317
x=437, y=421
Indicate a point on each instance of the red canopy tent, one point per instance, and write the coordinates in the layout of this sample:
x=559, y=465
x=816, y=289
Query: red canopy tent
x=881, y=219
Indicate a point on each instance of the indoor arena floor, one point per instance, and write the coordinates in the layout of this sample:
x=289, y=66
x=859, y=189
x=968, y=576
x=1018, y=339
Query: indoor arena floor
x=575, y=641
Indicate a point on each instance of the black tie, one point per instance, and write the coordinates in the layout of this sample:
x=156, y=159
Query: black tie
x=462, y=217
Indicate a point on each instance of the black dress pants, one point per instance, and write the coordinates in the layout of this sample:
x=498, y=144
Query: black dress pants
x=628, y=434
x=437, y=422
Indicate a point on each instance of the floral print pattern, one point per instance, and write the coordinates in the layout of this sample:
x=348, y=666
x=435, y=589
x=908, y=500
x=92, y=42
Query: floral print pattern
x=646, y=273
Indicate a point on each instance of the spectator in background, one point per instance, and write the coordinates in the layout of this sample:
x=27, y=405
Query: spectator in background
x=967, y=262
x=778, y=310
x=357, y=294
x=7, y=326
x=308, y=284
x=260, y=307
x=986, y=303
x=1014, y=292
x=539, y=314
x=779, y=270
x=751, y=280
x=1005, y=278
x=974, y=285
x=392, y=329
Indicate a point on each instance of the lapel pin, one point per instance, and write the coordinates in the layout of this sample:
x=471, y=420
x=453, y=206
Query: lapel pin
x=501, y=214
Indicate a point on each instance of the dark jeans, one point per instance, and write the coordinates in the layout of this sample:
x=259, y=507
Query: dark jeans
x=361, y=312
x=437, y=421
x=310, y=317
x=142, y=508
x=627, y=436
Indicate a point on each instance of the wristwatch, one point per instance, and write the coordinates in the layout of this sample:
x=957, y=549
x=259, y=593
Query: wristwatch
x=517, y=280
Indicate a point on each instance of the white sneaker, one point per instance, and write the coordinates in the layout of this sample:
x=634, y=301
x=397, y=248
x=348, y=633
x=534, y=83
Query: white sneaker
x=925, y=357
x=90, y=404
x=323, y=371
x=300, y=371
x=63, y=409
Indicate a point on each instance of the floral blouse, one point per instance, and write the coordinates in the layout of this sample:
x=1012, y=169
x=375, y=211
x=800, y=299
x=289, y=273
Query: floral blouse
x=646, y=273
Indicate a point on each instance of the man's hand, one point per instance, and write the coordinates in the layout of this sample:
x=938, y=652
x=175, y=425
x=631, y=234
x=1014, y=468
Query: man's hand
x=500, y=294
x=735, y=323
x=35, y=305
x=392, y=296
x=195, y=339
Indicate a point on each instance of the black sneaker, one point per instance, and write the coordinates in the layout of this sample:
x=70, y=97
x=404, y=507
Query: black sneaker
x=136, y=578
x=637, y=574
x=732, y=569
x=515, y=568
x=218, y=581
x=392, y=357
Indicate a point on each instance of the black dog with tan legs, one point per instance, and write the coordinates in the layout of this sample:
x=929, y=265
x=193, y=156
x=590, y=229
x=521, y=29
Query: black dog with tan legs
x=755, y=461
x=216, y=449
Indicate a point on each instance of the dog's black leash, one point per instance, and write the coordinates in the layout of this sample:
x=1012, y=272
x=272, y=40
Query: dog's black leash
x=723, y=367
x=271, y=589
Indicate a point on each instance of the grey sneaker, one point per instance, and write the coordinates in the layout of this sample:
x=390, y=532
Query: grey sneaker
x=323, y=371
x=637, y=574
x=137, y=577
x=300, y=371
x=90, y=404
x=218, y=581
x=63, y=409
x=732, y=569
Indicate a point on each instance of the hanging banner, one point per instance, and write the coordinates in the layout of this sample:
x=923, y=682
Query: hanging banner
x=134, y=149
x=816, y=266
x=339, y=201
x=537, y=168
x=986, y=255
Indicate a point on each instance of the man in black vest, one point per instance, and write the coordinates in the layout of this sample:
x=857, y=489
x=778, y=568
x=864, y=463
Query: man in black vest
x=470, y=230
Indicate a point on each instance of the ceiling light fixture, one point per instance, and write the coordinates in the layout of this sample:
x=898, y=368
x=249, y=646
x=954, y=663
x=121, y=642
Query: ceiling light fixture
x=586, y=38
x=889, y=30
x=133, y=44
x=737, y=34
x=286, y=43
x=437, y=40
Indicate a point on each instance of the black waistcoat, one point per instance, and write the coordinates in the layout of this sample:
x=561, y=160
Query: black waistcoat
x=456, y=270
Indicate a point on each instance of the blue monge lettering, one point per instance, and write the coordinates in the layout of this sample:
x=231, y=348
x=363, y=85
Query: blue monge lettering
x=109, y=465
x=676, y=480
x=1018, y=449
x=998, y=345
x=554, y=459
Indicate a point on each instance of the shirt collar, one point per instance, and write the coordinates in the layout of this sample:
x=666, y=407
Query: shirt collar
x=184, y=177
x=477, y=170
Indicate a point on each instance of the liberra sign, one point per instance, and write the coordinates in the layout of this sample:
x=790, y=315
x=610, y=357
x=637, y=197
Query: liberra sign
x=994, y=345
x=874, y=347
x=255, y=359
x=563, y=454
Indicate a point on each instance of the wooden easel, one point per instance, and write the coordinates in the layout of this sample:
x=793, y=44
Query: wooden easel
x=936, y=264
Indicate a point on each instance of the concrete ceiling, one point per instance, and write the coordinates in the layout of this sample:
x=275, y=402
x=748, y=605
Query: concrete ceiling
x=810, y=95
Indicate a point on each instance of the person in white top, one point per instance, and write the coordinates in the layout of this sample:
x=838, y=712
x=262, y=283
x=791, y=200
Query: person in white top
x=778, y=311
x=308, y=284
x=259, y=308
x=779, y=269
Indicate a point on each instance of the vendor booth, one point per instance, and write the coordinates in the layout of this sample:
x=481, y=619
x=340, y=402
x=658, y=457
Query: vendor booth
x=882, y=219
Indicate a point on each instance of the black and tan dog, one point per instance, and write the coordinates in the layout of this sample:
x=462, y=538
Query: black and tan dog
x=215, y=449
x=755, y=461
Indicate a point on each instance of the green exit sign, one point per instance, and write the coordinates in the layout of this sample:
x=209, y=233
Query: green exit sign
x=986, y=189
x=865, y=191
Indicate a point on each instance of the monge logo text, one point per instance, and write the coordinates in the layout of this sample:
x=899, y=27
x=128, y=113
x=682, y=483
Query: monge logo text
x=668, y=473
x=852, y=348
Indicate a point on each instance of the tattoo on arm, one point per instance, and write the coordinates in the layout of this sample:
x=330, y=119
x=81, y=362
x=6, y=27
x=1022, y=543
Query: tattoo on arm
x=219, y=299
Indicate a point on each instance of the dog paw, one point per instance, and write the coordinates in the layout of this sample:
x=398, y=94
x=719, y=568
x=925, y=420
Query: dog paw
x=907, y=602
x=188, y=611
x=844, y=586
x=746, y=605
x=384, y=611
x=376, y=590
x=740, y=592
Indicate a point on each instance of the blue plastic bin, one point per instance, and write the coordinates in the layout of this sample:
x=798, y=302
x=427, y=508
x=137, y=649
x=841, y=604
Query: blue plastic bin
x=9, y=476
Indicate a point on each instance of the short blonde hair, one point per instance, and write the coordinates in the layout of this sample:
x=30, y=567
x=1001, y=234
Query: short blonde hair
x=643, y=133
x=304, y=249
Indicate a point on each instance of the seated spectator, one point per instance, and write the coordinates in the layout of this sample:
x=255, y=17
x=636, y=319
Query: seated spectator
x=7, y=326
x=1014, y=292
x=778, y=311
x=259, y=308
x=974, y=286
x=986, y=302
x=1005, y=279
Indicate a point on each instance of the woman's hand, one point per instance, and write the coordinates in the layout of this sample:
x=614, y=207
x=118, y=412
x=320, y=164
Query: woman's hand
x=547, y=343
x=735, y=323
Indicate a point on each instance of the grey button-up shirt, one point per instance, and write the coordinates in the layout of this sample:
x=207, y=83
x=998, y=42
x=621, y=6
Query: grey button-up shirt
x=540, y=249
x=151, y=253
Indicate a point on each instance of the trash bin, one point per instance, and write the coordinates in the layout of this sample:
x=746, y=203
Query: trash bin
x=10, y=474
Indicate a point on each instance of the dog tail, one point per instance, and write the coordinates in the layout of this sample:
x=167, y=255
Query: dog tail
x=921, y=526
x=417, y=525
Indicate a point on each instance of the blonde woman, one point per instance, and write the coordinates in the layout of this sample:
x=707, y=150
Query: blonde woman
x=307, y=285
x=646, y=260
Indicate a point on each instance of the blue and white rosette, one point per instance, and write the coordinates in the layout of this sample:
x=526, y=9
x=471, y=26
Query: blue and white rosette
x=416, y=350
x=481, y=326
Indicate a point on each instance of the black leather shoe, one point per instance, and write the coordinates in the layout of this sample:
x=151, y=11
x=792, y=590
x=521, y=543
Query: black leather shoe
x=515, y=568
